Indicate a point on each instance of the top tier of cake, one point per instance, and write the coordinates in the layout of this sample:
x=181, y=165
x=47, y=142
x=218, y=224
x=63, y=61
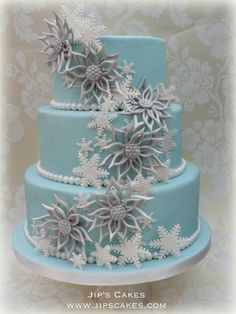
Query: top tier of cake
x=148, y=54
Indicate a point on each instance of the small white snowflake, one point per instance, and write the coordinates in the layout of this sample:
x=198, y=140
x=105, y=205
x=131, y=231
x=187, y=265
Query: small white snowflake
x=85, y=146
x=162, y=174
x=131, y=250
x=103, y=257
x=168, y=144
x=127, y=92
x=167, y=93
x=169, y=242
x=126, y=68
x=78, y=260
x=35, y=228
x=102, y=141
x=109, y=104
x=44, y=245
x=147, y=222
x=81, y=200
x=142, y=185
x=89, y=171
x=102, y=121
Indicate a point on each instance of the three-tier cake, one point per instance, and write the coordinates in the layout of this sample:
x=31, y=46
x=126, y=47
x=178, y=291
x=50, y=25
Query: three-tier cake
x=111, y=186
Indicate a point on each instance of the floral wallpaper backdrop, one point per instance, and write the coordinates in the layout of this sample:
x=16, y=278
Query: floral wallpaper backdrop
x=200, y=44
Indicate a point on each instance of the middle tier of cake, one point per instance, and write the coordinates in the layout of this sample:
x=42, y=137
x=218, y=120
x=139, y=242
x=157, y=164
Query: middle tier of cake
x=60, y=132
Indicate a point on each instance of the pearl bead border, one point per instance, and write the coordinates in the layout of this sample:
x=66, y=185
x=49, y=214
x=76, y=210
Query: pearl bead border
x=73, y=106
x=184, y=243
x=174, y=172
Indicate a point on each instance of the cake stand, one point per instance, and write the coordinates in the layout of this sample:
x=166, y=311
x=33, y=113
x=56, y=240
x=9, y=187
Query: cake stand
x=152, y=270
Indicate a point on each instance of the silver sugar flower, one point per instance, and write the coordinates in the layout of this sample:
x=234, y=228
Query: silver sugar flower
x=95, y=74
x=151, y=105
x=134, y=150
x=65, y=227
x=116, y=211
x=57, y=44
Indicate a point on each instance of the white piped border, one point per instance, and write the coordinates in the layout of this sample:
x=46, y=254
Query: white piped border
x=174, y=172
x=184, y=243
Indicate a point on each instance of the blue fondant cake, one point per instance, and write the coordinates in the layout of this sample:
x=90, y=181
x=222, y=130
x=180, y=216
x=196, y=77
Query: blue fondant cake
x=111, y=185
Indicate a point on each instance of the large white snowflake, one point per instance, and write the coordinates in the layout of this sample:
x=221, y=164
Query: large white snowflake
x=102, y=121
x=78, y=260
x=84, y=27
x=131, y=250
x=103, y=257
x=89, y=170
x=168, y=242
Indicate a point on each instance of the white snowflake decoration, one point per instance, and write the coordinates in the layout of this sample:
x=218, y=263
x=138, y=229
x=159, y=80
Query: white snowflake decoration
x=167, y=93
x=109, y=104
x=127, y=91
x=126, y=68
x=169, y=242
x=44, y=245
x=85, y=146
x=168, y=144
x=143, y=185
x=102, y=121
x=103, y=257
x=85, y=28
x=81, y=200
x=162, y=174
x=102, y=141
x=147, y=222
x=131, y=250
x=89, y=171
x=78, y=260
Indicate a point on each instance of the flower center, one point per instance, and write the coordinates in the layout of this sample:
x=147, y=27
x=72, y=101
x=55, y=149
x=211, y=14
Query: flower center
x=132, y=151
x=93, y=73
x=118, y=212
x=66, y=47
x=145, y=103
x=64, y=227
x=56, y=45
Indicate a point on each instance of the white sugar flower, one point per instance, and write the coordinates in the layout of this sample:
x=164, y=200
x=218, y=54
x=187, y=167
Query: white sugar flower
x=115, y=212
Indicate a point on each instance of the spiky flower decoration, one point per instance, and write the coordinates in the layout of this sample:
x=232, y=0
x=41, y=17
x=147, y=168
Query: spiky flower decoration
x=115, y=212
x=65, y=227
x=133, y=150
x=95, y=74
x=152, y=105
x=57, y=44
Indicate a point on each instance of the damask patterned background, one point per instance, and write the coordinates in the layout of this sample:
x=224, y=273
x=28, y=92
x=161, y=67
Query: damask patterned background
x=200, y=38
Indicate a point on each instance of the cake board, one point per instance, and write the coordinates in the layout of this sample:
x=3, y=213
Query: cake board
x=153, y=270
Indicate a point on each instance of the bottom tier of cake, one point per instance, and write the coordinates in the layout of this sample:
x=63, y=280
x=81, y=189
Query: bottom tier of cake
x=173, y=208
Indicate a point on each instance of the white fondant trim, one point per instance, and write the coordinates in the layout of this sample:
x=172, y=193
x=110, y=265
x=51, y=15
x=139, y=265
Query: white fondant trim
x=174, y=172
x=184, y=243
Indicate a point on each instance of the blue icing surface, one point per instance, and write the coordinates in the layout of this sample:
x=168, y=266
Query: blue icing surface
x=147, y=53
x=59, y=131
x=172, y=203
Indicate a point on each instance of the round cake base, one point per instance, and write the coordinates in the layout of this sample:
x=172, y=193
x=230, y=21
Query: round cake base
x=152, y=270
